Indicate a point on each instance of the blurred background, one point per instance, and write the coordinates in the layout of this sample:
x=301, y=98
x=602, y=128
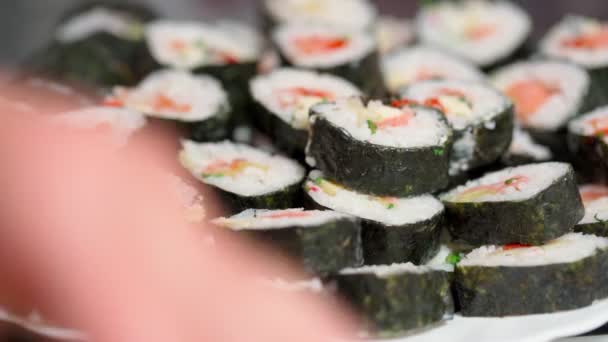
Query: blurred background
x=26, y=24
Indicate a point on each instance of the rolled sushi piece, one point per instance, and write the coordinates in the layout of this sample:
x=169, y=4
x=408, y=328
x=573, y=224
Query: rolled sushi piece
x=379, y=149
x=419, y=63
x=323, y=241
x=595, y=200
x=226, y=50
x=283, y=99
x=582, y=40
x=395, y=230
x=528, y=204
x=486, y=33
x=564, y=274
x=482, y=119
x=587, y=138
x=244, y=176
x=361, y=13
x=397, y=298
x=200, y=103
x=393, y=33
x=524, y=150
x=352, y=55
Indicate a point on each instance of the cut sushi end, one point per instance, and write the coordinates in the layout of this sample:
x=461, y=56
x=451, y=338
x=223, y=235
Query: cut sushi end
x=393, y=33
x=83, y=25
x=380, y=149
x=529, y=204
x=482, y=118
x=483, y=32
x=564, y=274
x=397, y=298
x=394, y=229
x=249, y=177
x=524, y=150
x=406, y=66
x=586, y=136
x=323, y=241
x=595, y=221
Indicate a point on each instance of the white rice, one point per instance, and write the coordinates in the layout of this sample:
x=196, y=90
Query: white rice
x=425, y=128
x=446, y=25
x=386, y=271
x=439, y=260
x=583, y=125
x=201, y=44
x=566, y=249
x=524, y=145
x=486, y=102
x=253, y=219
x=409, y=65
x=596, y=211
x=539, y=177
x=267, y=174
x=269, y=91
x=393, y=33
x=388, y=211
x=202, y=96
x=570, y=81
x=100, y=19
x=360, y=44
x=570, y=27
x=350, y=14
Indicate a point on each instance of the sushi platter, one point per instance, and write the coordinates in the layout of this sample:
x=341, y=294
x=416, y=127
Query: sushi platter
x=444, y=174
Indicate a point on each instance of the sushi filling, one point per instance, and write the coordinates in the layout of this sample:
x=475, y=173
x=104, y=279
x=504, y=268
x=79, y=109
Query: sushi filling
x=174, y=94
x=524, y=145
x=480, y=31
x=590, y=193
x=512, y=184
x=188, y=45
x=386, y=210
x=253, y=219
x=290, y=93
x=566, y=249
x=100, y=19
x=322, y=46
x=546, y=94
x=594, y=124
x=239, y=169
x=399, y=126
x=421, y=63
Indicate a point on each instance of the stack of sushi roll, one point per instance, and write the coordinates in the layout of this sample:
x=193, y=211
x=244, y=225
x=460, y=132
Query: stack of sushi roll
x=588, y=144
x=595, y=200
x=197, y=101
x=487, y=33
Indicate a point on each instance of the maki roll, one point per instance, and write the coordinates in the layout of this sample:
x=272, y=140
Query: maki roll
x=199, y=102
x=529, y=204
x=323, y=241
x=587, y=142
x=524, y=150
x=582, y=40
x=487, y=33
x=393, y=33
x=352, y=55
x=398, y=298
x=394, y=229
x=482, y=119
x=546, y=94
x=564, y=274
x=225, y=50
x=283, y=99
x=361, y=13
x=246, y=177
x=379, y=149
x=595, y=199
x=409, y=65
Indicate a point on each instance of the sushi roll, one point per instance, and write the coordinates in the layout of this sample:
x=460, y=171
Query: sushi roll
x=246, y=177
x=200, y=103
x=283, y=99
x=323, y=241
x=524, y=150
x=482, y=119
x=528, y=204
x=361, y=13
x=564, y=274
x=397, y=298
x=582, y=40
x=486, y=33
x=225, y=50
x=419, y=63
x=352, y=55
x=587, y=140
x=395, y=230
x=393, y=33
x=546, y=94
x=379, y=149
x=595, y=200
